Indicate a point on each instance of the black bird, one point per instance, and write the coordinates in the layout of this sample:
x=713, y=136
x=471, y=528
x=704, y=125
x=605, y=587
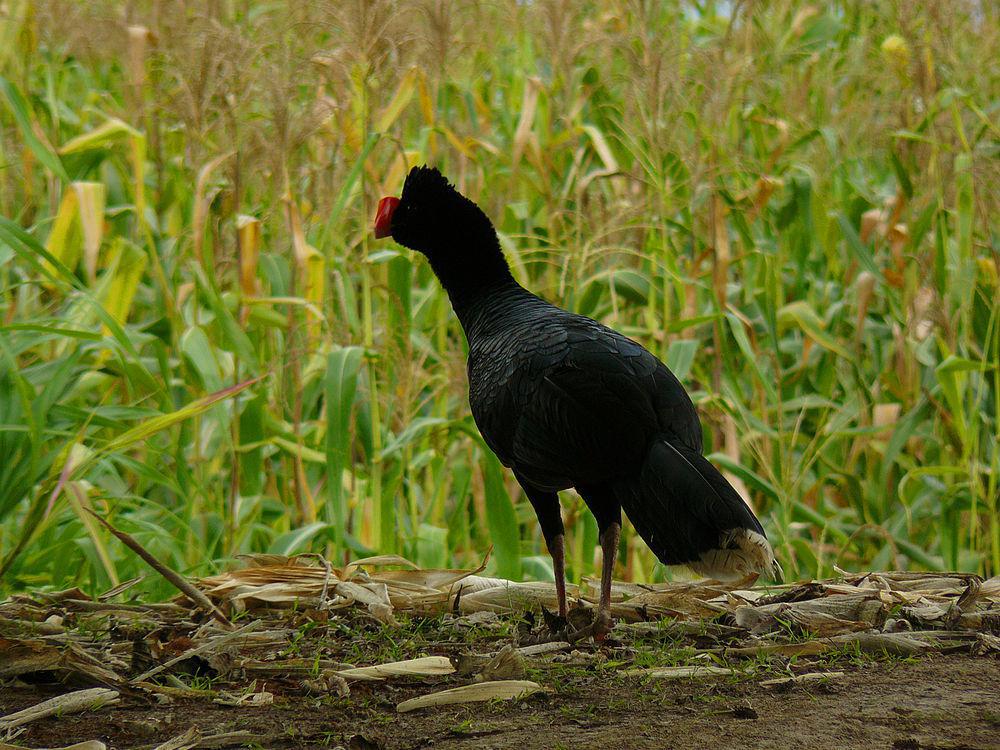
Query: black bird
x=567, y=402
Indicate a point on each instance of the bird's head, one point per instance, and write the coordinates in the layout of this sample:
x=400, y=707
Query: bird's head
x=433, y=218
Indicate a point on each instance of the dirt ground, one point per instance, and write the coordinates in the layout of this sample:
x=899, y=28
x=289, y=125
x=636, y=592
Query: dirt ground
x=307, y=657
x=936, y=702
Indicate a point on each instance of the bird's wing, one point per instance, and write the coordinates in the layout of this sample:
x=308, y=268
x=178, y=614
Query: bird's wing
x=580, y=404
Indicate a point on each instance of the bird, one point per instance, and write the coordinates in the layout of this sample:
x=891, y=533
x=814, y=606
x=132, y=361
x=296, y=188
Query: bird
x=567, y=402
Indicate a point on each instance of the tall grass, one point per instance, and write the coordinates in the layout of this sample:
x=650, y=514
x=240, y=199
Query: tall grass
x=792, y=204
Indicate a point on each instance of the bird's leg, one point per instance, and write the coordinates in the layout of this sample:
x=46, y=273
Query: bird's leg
x=546, y=505
x=609, y=553
x=557, y=550
x=603, y=503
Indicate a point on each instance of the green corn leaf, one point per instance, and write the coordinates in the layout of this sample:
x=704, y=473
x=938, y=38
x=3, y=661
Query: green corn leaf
x=342, y=367
x=297, y=449
x=432, y=546
x=22, y=116
x=33, y=253
x=501, y=520
x=106, y=133
x=127, y=265
x=53, y=329
x=736, y=326
x=806, y=319
x=413, y=432
x=860, y=250
x=751, y=478
x=347, y=188
x=234, y=335
x=680, y=357
x=252, y=433
x=297, y=540
x=197, y=348
x=953, y=363
x=150, y=427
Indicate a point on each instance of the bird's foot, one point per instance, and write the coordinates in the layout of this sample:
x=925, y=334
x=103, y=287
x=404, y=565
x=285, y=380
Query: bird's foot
x=597, y=626
x=602, y=625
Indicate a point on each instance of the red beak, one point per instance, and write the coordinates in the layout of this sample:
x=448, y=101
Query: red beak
x=383, y=217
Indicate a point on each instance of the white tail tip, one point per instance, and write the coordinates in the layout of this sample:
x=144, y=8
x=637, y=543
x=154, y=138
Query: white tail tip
x=740, y=553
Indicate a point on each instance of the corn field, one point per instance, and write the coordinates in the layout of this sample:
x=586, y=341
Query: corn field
x=792, y=204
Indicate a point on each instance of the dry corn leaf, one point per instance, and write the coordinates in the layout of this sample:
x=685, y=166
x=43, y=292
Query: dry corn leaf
x=404, y=93
x=474, y=693
x=79, y=224
x=427, y=666
x=310, y=265
x=532, y=88
x=833, y=606
x=70, y=703
x=184, y=741
x=203, y=200
x=827, y=615
x=108, y=134
x=90, y=197
x=86, y=745
x=394, y=176
x=680, y=673
x=127, y=264
x=987, y=644
x=508, y=664
x=25, y=656
x=248, y=233
x=378, y=561
x=463, y=146
x=509, y=596
x=602, y=148
x=261, y=698
x=886, y=415
x=138, y=39
x=807, y=677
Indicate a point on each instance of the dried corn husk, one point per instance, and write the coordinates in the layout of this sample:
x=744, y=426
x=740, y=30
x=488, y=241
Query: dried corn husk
x=70, y=703
x=474, y=693
x=799, y=678
x=426, y=666
x=681, y=673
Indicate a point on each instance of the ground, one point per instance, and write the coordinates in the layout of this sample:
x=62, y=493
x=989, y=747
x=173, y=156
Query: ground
x=936, y=701
x=307, y=657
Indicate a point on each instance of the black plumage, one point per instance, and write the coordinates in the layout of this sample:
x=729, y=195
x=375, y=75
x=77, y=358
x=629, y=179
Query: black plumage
x=565, y=401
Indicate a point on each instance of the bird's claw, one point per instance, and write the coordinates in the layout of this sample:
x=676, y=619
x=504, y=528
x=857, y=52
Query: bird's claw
x=598, y=629
x=579, y=624
x=602, y=625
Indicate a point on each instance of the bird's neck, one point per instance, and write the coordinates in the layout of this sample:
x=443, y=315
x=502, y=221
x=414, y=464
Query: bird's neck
x=473, y=277
x=498, y=308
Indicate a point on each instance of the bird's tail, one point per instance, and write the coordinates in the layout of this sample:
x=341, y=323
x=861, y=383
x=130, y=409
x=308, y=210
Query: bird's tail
x=688, y=514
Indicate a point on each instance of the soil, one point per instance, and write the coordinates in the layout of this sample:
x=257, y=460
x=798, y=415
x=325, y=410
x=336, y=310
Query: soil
x=939, y=701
